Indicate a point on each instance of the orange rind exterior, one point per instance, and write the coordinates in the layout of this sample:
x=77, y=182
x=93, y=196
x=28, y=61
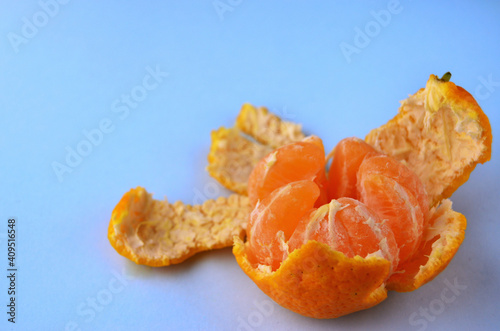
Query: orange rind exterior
x=157, y=233
x=316, y=281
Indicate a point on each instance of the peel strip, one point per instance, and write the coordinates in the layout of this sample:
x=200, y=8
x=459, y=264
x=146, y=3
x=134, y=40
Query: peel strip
x=157, y=233
x=232, y=158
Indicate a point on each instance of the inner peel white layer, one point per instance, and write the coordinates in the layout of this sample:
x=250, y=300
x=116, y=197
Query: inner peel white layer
x=433, y=140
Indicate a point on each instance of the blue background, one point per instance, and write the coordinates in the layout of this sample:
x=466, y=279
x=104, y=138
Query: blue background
x=65, y=75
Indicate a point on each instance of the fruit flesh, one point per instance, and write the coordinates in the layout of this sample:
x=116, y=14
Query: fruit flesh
x=274, y=219
x=387, y=219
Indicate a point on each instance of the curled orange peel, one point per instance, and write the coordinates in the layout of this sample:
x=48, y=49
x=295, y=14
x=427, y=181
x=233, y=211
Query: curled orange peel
x=440, y=133
x=317, y=281
x=267, y=128
x=157, y=233
x=232, y=158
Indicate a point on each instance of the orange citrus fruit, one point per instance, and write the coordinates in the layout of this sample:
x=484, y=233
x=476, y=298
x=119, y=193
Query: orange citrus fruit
x=325, y=245
x=377, y=220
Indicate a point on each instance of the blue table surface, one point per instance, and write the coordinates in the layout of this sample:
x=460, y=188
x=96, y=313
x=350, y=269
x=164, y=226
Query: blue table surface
x=99, y=97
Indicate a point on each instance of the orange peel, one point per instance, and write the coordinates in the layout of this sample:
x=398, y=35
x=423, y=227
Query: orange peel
x=316, y=281
x=267, y=128
x=440, y=133
x=232, y=158
x=157, y=233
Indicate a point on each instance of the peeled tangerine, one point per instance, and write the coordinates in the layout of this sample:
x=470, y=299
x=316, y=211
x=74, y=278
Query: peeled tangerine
x=326, y=247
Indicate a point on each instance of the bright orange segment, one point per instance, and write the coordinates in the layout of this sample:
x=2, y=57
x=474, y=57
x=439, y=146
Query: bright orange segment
x=274, y=219
x=304, y=160
x=348, y=226
x=392, y=168
x=347, y=157
x=398, y=206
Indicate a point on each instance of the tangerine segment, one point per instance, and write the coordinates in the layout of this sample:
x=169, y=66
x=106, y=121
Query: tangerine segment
x=267, y=128
x=157, y=233
x=440, y=133
x=232, y=158
x=350, y=227
x=346, y=159
x=440, y=243
x=274, y=219
x=397, y=206
x=316, y=281
x=392, y=168
x=303, y=160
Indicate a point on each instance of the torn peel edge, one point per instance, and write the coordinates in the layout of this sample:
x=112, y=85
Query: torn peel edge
x=332, y=283
x=266, y=127
x=440, y=243
x=232, y=157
